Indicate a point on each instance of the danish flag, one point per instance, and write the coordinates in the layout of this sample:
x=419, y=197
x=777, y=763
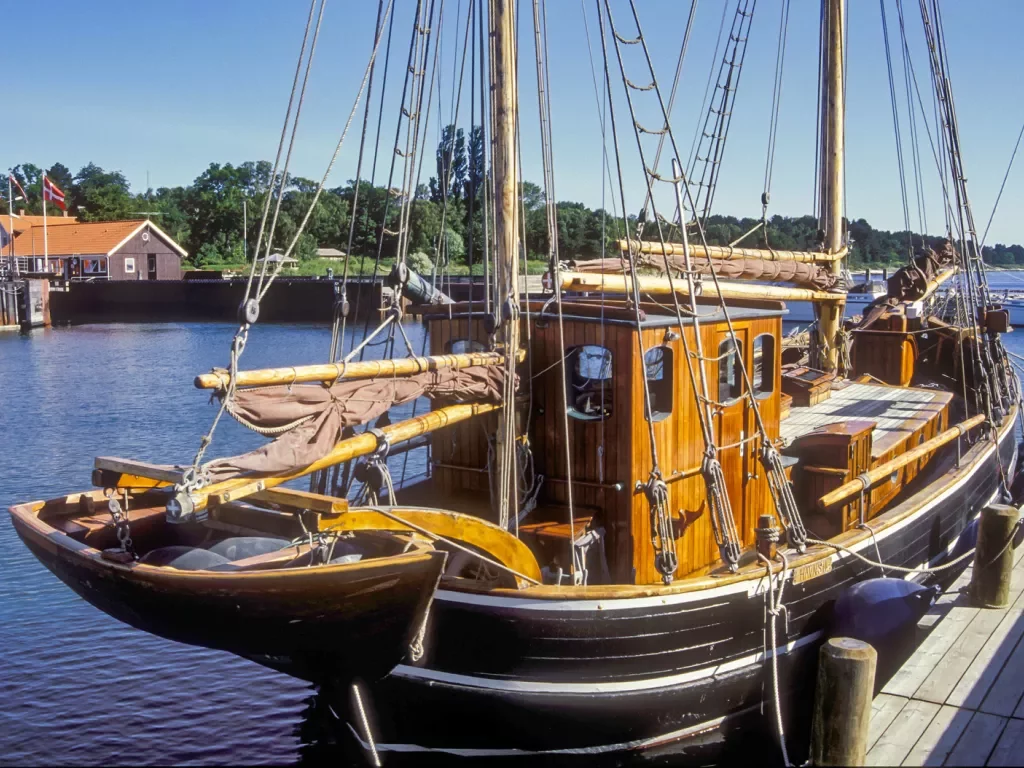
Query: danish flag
x=52, y=193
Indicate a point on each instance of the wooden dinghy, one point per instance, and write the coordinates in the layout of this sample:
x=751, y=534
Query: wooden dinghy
x=250, y=580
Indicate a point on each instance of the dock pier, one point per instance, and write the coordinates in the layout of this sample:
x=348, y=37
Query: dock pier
x=959, y=699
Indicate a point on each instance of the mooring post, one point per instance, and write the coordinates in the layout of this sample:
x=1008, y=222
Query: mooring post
x=993, y=556
x=842, y=702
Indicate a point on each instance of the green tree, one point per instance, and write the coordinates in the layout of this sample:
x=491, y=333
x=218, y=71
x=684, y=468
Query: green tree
x=451, y=165
x=99, y=195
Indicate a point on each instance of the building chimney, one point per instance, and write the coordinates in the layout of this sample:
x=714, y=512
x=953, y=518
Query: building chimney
x=21, y=211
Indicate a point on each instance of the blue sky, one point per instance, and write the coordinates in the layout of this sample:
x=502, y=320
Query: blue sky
x=165, y=88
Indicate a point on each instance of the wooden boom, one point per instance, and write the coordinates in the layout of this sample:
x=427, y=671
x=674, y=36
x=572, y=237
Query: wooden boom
x=727, y=252
x=368, y=369
x=579, y=281
x=935, y=282
x=352, y=448
x=882, y=471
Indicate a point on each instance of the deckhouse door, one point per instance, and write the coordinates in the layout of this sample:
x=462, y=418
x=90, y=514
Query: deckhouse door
x=733, y=421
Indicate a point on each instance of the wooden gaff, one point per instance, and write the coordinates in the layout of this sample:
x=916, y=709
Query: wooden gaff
x=620, y=284
x=367, y=369
x=727, y=253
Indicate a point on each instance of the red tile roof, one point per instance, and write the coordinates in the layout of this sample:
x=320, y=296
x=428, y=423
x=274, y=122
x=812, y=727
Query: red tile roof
x=24, y=223
x=99, y=237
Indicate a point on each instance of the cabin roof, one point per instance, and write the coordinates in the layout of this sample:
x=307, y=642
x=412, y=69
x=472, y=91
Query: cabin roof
x=669, y=319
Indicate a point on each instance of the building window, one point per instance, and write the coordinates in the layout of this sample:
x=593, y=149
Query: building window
x=658, y=362
x=764, y=365
x=129, y=264
x=589, y=382
x=464, y=346
x=151, y=264
x=730, y=382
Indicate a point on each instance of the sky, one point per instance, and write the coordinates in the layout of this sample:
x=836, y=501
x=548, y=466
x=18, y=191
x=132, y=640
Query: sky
x=159, y=90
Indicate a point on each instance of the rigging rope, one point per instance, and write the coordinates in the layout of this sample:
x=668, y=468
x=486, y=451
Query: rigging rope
x=249, y=309
x=665, y=553
x=773, y=122
x=1002, y=186
x=718, y=119
x=718, y=498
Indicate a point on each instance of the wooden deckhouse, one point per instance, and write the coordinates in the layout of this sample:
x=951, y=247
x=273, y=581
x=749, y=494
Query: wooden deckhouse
x=851, y=426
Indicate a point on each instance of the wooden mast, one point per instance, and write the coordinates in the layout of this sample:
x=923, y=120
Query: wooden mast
x=505, y=166
x=832, y=185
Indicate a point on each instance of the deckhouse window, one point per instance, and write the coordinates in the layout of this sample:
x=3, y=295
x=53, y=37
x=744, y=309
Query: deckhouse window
x=465, y=346
x=730, y=380
x=589, y=382
x=764, y=365
x=658, y=362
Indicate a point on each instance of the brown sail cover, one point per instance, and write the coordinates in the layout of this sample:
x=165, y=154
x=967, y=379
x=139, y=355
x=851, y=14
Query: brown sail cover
x=328, y=410
x=910, y=282
x=768, y=270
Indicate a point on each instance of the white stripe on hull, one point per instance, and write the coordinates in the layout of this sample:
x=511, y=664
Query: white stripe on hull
x=608, y=686
x=751, y=586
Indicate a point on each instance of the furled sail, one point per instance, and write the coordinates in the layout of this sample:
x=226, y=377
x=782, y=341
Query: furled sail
x=311, y=417
x=768, y=270
x=915, y=280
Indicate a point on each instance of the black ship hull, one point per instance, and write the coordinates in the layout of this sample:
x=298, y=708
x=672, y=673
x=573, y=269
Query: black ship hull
x=505, y=676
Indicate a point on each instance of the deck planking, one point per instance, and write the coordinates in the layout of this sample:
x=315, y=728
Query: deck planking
x=896, y=411
x=959, y=699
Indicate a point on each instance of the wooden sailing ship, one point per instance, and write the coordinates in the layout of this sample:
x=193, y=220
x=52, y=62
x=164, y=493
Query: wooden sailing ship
x=643, y=513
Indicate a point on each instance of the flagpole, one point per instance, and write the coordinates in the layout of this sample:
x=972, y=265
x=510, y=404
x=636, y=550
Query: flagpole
x=10, y=218
x=46, y=245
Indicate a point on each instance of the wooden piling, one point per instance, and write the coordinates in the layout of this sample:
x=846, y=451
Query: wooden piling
x=993, y=556
x=842, y=702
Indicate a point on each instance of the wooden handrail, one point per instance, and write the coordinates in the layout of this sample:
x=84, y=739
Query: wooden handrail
x=726, y=252
x=351, y=448
x=366, y=369
x=608, y=283
x=879, y=473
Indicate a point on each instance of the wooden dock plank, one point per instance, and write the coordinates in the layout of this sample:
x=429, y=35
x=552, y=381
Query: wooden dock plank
x=941, y=681
x=1005, y=693
x=976, y=681
x=959, y=699
x=978, y=740
x=903, y=733
x=1010, y=748
x=883, y=711
x=913, y=673
x=939, y=737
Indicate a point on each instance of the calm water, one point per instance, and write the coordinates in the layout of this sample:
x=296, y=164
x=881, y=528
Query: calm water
x=78, y=686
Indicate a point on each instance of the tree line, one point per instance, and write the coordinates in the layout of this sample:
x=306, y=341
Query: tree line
x=206, y=216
